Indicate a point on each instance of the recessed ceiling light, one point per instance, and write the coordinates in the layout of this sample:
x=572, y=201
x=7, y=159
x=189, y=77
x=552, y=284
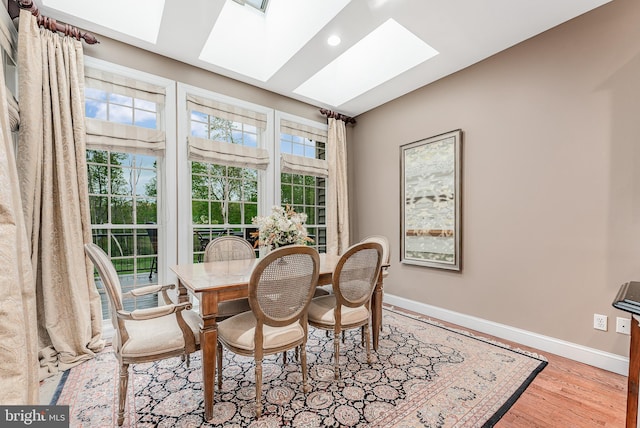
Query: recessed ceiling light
x=333, y=40
x=257, y=45
x=110, y=15
x=383, y=54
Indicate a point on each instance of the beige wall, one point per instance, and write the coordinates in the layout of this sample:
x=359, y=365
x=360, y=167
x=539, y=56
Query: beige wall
x=551, y=188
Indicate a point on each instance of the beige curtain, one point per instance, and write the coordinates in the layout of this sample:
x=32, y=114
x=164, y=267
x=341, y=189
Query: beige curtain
x=18, y=334
x=53, y=182
x=338, y=205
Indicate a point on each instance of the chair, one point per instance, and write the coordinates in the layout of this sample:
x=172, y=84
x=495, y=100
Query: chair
x=349, y=306
x=224, y=248
x=144, y=335
x=229, y=247
x=386, y=257
x=386, y=251
x=280, y=289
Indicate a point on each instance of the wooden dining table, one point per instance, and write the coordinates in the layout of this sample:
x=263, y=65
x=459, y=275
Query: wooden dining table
x=216, y=282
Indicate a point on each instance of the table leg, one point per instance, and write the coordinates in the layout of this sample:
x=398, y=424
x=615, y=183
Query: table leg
x=634, y=374
x=208, y=346
x=376, y=312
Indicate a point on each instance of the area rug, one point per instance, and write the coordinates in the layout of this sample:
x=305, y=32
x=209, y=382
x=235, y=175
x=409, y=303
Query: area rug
x=423, y=375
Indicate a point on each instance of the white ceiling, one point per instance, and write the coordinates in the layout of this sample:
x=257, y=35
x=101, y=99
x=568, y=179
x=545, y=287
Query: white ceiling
x=462, y=31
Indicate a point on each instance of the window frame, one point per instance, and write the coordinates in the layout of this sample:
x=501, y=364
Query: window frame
x=266, y=189
x=166, y=193
x=279, y=117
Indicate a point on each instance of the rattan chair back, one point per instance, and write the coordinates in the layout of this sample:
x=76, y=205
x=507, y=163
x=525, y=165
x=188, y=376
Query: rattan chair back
x=224, y=248
x=382, y=240
x=356, y=274
x=283, y=283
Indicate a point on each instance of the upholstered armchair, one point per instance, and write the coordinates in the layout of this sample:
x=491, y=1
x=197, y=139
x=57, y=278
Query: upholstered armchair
x=144, y=335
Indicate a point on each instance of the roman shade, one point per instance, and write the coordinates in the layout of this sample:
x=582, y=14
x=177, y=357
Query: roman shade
x=294, y=164
x=122, y=85
x=302, y=130
x=120, y=137
x=103, y=135
x=223, y=153
x=226, y=111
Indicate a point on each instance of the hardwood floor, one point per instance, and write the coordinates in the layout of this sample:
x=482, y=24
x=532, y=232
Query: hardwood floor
x=570, y=394
x=566, y=394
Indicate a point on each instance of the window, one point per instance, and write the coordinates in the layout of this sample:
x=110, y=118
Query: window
x=223, y=138
x=260, y=5
x=117, y=108
x=303, y=180
x=126, y=146
x=124, y=216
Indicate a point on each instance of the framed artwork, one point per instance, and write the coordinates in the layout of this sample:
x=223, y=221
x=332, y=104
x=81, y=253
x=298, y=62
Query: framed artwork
x=431, y=192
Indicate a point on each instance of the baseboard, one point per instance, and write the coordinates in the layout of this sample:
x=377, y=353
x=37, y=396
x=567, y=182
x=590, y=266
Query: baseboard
x=594, y=357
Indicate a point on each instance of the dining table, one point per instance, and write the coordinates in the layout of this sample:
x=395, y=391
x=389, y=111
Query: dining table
x=214, y=282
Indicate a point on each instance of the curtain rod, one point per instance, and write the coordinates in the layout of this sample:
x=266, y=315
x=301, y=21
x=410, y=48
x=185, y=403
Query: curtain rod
x=342, y=117
x=49, y=23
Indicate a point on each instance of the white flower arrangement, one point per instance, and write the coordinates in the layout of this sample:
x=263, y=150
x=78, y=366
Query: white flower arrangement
x=283, y=227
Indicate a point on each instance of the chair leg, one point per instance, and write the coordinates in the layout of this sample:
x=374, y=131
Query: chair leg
x=368, y=344
x=122, y=391
x=336, y=354
x=303, y=361
x=153, y=267
x=219, y=366
x=258, y=387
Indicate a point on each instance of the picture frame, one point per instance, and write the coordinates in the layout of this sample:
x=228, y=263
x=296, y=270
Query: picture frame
x=431, y=202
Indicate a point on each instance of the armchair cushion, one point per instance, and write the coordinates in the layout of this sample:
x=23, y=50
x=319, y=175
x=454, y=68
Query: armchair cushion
x=239, y=332
x=321, y=311
x=157, y=335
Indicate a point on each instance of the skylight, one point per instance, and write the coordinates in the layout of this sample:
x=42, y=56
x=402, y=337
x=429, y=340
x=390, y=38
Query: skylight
x=383, y=54
x=260, y=5
x=257, y=45
x=139, y=19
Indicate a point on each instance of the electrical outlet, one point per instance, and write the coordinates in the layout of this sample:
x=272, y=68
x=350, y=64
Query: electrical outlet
x=623, y=325
x=600, y=322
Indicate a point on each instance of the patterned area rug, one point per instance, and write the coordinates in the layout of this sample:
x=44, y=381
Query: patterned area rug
x=423, y=375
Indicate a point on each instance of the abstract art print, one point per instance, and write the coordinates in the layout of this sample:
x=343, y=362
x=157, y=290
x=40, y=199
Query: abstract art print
x=431, y=201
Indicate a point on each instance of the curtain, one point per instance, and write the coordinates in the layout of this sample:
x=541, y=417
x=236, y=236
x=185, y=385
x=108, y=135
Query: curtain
x=18, y=334
x=338, y=205
x=53, y=182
